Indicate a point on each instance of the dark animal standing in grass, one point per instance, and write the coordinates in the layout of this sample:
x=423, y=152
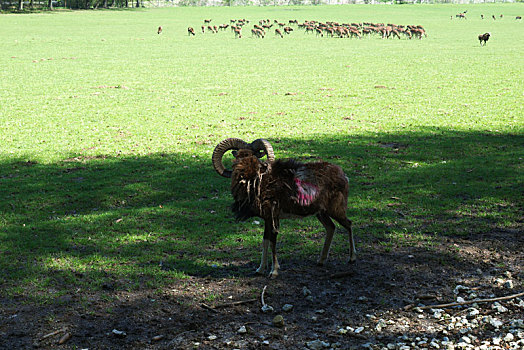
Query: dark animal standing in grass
x=481, y=16
x=484, y=38
x=207, y=21
x=518, y=17
x=278, y=32
x=159, y=30
x=203, y=29
x=190, y=31
x=278, y=189
x=493, y=16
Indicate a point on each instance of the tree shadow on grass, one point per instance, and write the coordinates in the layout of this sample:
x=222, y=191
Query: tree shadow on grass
x=128, y=222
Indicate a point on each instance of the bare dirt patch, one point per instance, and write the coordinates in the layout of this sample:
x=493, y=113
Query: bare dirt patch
x=337, y=306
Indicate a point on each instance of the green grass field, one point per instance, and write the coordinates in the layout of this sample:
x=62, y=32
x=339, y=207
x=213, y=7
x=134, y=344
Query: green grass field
x=107, y=129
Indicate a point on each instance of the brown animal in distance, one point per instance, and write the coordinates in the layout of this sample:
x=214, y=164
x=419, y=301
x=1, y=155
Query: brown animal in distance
x=278, y=189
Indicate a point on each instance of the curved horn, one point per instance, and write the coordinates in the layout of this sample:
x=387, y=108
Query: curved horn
x=221, y=149
x=263, y=145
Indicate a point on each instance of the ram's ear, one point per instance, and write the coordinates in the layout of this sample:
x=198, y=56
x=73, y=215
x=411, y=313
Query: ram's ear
x=235, y=153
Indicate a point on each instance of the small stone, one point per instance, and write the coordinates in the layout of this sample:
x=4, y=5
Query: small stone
x=434, y=345
x=460, y=288
x=306, y=291
x=118, y=333
x=391, y=346
x=342, y=331
x=157, y=337
x=465, y=340
x=310, y=298
x=465, y=330
x=495, y=323
x=278, y=321
x=509, y=337
x=362, y=298
x=381, y=324
x=266, y=308
x=499, y=307
x=517, y=324
x=460, y=300
x=265, y=342
x=242, y=330
x=496, y=340
x=287, y=307
x=359, y=330
x=473, y=312
x=212, y=337
x=499, y=281
x=317, y=344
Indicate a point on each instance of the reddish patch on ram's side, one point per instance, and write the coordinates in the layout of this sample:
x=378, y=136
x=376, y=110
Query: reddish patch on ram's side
x=306, y=192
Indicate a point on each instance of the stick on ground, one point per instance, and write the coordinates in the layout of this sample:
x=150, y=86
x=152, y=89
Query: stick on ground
x=438, y=306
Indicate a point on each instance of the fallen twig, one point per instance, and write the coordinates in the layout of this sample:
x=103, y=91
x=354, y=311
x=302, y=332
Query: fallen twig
x=234, y=303
x=64, y=338
x=207, y=307
x=265, y=308
x=53, y=333
x=438, y=306
x=240, y=302
x=262, y=296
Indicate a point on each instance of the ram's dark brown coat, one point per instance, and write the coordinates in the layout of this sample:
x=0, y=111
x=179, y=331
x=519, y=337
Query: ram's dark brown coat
x=275, y=190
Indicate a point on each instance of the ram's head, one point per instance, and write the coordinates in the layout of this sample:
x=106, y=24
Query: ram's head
x=240, y=148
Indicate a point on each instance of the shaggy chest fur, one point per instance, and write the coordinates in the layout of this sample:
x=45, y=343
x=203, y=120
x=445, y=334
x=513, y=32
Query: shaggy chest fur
x=284, y=187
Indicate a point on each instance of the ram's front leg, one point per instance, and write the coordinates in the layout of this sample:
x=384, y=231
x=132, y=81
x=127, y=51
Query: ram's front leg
x=271, y=232
x=263, y=263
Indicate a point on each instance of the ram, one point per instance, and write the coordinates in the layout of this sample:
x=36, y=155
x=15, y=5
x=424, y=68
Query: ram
x=279, y=189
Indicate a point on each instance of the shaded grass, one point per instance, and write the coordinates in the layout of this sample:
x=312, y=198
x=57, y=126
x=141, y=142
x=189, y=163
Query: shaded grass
x=130, y=222
x=105, y=174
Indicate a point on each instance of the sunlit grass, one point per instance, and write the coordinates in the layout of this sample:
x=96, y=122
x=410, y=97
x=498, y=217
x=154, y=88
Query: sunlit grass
x=107, y=131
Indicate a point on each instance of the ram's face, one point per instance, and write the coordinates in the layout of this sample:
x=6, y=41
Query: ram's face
x=243, y=153
x=245, y=165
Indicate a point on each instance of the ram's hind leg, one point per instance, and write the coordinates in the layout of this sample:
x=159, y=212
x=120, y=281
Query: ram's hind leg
x=346, y=223
x=330, y=230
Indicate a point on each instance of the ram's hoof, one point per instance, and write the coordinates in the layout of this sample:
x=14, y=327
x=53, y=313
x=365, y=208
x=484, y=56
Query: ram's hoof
x=273, y=275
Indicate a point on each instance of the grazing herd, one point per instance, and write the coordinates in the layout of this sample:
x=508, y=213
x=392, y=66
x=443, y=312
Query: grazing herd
x=327, y=29
x=462, y=15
